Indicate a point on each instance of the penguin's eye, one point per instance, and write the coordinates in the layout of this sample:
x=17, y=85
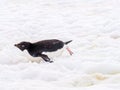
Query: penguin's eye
x=23, y=46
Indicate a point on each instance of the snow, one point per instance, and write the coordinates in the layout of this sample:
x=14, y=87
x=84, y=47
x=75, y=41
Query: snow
x=94, y=27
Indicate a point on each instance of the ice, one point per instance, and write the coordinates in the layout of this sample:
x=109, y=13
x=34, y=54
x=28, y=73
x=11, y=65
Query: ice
x=94, y=27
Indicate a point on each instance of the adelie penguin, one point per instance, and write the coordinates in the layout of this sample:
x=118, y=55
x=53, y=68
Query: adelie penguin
x=36, y=49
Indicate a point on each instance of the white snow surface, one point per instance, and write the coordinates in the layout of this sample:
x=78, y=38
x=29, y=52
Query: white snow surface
x=94, y=27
